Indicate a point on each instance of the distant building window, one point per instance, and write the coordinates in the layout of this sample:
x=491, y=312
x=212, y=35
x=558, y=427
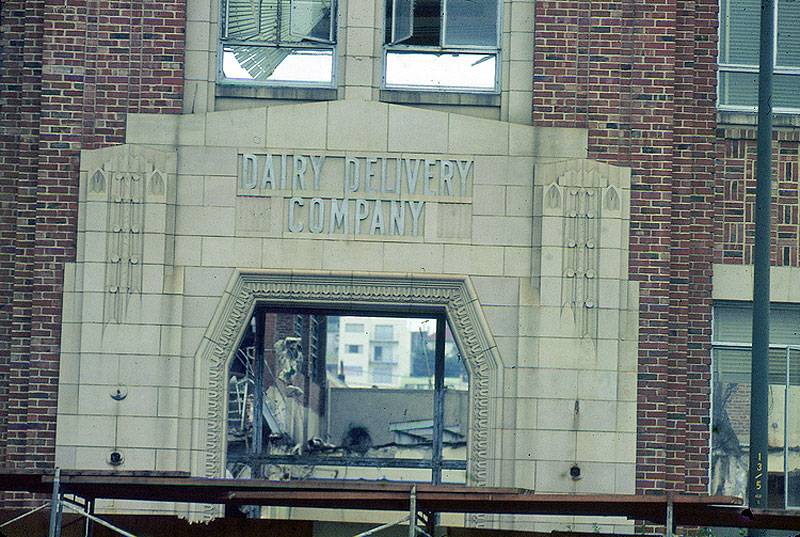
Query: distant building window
x=739, y=49
x=281, y=42
x=442, y=44
x=384, y=332
x=353, y=349
x=730, y=428
x=354, y=328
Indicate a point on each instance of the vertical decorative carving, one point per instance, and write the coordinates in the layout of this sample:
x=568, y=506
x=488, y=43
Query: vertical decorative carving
x=127, y=180
x=125, y=246
x=580, y=289
x=583, y=196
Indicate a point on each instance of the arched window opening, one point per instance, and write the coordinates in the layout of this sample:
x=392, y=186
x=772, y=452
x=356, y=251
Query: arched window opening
x=340, y=394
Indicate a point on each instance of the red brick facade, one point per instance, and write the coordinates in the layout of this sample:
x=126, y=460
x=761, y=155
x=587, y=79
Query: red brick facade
x=69, y=72
x=641, y=77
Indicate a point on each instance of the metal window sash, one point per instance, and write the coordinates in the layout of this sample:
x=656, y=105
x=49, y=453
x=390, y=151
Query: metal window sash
x=437, y=463
x=788, y=349
x=278, y=43
x=442, y=89
x=498, y=28
x=779, y=69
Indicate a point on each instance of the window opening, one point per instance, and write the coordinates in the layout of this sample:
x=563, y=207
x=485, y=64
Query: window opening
x=738, y=55
x=442, y=44
x=730, y=432
x=285, y=42
x=312, y=397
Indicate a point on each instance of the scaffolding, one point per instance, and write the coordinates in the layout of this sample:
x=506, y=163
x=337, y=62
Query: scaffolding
x=668, y=511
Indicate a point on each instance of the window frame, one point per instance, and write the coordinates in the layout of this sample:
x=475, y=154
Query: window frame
x=437, y=463
x=223, y=41
x=730, y=345
x=747, y=68
x=497, y=50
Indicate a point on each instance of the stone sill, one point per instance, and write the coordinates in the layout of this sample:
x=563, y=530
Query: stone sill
x=731, y=118
x=272, y=92
x=440, y=97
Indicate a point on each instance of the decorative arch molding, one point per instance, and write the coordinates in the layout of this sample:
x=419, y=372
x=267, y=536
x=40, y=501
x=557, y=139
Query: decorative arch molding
x=372, y=291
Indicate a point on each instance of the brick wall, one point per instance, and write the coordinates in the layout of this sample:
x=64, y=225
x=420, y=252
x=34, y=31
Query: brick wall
x=640, y=76
x=69, y=72
x=735, y=197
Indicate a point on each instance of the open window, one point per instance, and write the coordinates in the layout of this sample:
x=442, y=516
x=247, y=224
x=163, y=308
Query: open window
x=282, y=42
x=317, y=394
x=442, y=45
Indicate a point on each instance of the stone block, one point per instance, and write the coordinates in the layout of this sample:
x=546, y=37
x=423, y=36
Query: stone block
x=493, y=291
x=205, y=221
x=196, y=64
x=597, y=385
x=547, y=383
x=521, y=139
x=475, y=260
x=416, y=258
x=357, y=126
x=352, y=255
x=470, y=135
x=407, y=126
x=85, y=430
x=519, y=201
x=517, y=261
x=187, y=250
x=560, y=142
x=292, y=254
x=151, y=129
x=207, y=160
x=489, y=200
x=147, y=432
x=297, y=126
x=237, y=128
x=557, y=414
x=501, y=231
x=231, y=251
x=502, y=320
x=149, y=371
x=219, y=191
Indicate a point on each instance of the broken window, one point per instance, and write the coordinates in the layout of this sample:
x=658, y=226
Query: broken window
x=730, y=433
x=317, y=394
x=442, y=44
x=287, y=42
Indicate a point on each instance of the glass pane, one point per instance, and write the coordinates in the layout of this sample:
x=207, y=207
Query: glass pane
x=441, y=70
x=402, y=15
x=456, y=408
x=730, y=431
x=272, y=64
x=252, y=20
x=792, y=446
x=470, y=22
x=310, y=19
x=733, y=323
x=414, y=22
x=788, y=53
x=786, y=91
x=739, y=26
x=738, y=89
